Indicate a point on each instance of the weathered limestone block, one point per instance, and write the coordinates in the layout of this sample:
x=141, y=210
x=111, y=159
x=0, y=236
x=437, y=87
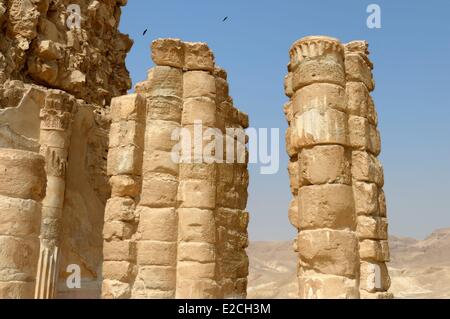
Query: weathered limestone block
x=124, y=250
x=118, y=230
x=357, y=99
x=189, y=270
x=124, y=186
x=367, y=168
x=314, y=285
x=158, y=224
x=374, y=250
x=326, y=206
x=159, y=135
x=359, y=132
x=126, y=133
x=329, y=251
x=321, y=127
x=120, y=209
x=374, y=277
x=372, y=227
x=19, y=217
x=199, y=84
x=159, y=190
x=366, y=198
x=118, y=270
x=294, y=172
x=168, y=52
x=128, y=108
x=161, y=278
x=375, y=140
x=197, y=252
x=18, y=259
x=196, y=225
x=115, y=289
x=156, y=253
x=325, y=164
x=164, y=81
x=195, y=193
x=288, y=90
x=382, y=203
x=165, y=108
x=198, y=56
x=22, y=174
x=125, y=160
x=357, y=70
x=158, y=161
x=294, y=213
x=319, y=96
x=199, y=109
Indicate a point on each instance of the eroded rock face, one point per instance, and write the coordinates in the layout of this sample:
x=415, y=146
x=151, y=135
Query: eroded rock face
x=42, y=43
x=57, y=78
x=336, y=179
x=175, y=229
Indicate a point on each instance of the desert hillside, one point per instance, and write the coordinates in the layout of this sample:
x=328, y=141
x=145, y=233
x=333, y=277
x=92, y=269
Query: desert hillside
x=418, y=268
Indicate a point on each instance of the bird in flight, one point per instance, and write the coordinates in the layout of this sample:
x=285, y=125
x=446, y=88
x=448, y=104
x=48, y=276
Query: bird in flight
x=224, y=19
x=144, y=32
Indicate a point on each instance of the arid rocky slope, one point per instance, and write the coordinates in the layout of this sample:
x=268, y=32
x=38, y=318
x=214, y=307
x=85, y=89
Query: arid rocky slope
x=418, y=268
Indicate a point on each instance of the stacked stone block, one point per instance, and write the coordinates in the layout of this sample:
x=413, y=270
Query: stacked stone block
x=367, y=173
x=232, y=182
x=125, y=155
x=22, y=188
x=191, y=233
x=324, y=209
x=334, y=174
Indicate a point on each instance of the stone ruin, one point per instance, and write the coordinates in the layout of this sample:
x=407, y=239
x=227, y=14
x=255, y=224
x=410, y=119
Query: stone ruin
x=56, y=87
x=175, y=229
x=87, y=178
x=86, y=175
x=339, y=206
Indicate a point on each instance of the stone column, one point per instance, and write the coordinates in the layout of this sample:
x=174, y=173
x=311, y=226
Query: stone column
x=158, y=225
x=367, y=173
x=327, y=241
x=22, y=188
x=126, y=146
x=197, y=268
x=56, y=118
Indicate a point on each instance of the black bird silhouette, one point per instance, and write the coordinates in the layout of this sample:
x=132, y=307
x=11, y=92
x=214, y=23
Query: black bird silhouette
x=144, y=32
x=224, y=19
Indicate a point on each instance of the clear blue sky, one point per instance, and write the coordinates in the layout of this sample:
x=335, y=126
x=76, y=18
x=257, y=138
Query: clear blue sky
x=411, y=53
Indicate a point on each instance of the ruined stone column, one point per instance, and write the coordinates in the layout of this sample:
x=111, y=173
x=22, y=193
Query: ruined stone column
x=22, y=188
x=158, y=225
x=367, y=173
x=231, y=195
x=126, y=146
x=197, y=250
x=327, y=241
x=56, y=118
x=190, y=213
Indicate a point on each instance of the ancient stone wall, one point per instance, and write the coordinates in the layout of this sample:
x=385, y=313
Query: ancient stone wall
x=332, y=142
x=57, y=77
x=176, y=227
x=22, y=188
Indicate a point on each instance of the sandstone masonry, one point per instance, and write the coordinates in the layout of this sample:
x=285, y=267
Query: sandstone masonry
x=338, y=206
x=174, y=229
